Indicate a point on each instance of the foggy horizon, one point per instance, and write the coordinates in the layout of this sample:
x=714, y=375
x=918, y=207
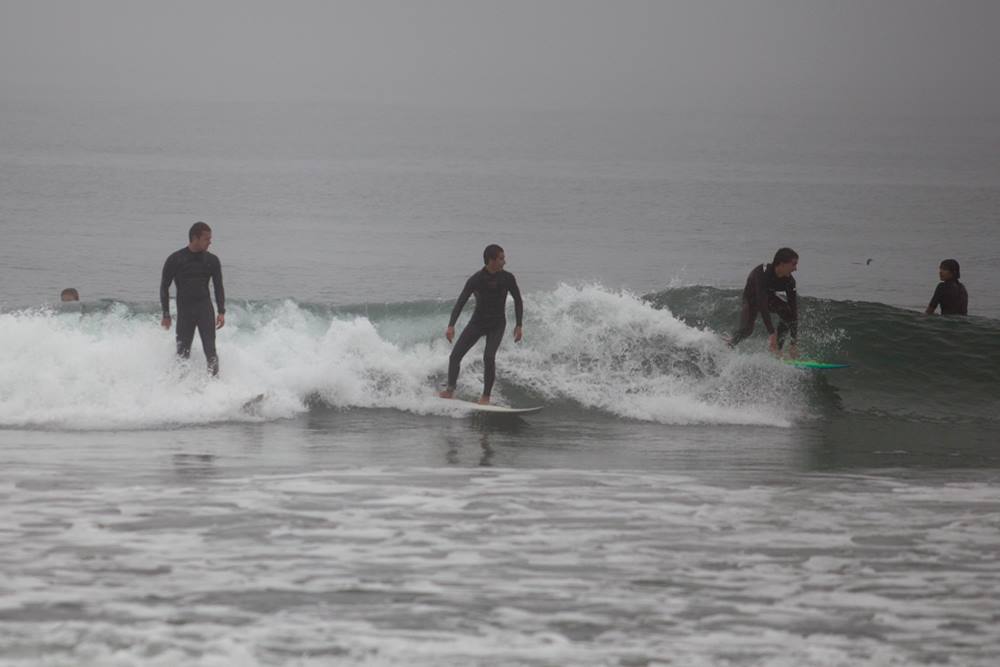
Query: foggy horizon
x=889, y=57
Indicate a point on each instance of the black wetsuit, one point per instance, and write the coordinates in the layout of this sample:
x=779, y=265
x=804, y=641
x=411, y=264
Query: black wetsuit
x=192, y=271
x=489, y=319
x=952, y=298
x=760, y=296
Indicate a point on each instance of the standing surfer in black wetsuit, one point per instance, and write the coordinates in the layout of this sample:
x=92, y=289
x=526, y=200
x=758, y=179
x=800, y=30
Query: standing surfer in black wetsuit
x=491, y=286
x=191, y=268
x=950, y=294
x=760, y=296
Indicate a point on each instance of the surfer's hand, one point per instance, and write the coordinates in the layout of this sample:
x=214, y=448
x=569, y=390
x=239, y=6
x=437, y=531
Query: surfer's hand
x=220, y=321
x=793, y=351
x=517, y=334
x=449, y=333
x=772, y=343
x=165, y=322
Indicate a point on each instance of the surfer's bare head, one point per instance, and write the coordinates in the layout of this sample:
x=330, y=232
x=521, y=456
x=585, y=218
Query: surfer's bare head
x=786, y=262
x=199, y=237
x=949, y=270
x=493, y=257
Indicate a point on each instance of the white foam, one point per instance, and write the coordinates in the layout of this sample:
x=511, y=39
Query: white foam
x=615, y=352
x=117, y=370
x=569, y=567
x=600, y=349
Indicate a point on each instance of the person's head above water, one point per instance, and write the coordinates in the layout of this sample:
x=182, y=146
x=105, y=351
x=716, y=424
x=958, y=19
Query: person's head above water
x=69, y=294
x=786, y=262
x=199, y=237
x=493, y=258
x=949, y=270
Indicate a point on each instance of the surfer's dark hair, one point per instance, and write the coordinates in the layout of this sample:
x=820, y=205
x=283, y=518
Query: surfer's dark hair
x=492, y=252
x=197, y=229
x=784, y=255
x=952, y=265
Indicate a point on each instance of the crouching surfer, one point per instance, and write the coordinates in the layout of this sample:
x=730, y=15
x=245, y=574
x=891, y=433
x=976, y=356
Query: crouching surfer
x=760, y=296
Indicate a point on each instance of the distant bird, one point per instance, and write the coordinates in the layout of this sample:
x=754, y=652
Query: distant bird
x=869, y=261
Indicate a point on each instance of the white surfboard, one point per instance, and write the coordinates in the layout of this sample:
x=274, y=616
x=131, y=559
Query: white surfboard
x=495, y=409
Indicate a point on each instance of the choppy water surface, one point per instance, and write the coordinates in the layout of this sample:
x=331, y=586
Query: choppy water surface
x=239, y=547
x=676, y=502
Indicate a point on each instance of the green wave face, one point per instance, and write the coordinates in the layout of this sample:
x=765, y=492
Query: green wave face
x=901, y=362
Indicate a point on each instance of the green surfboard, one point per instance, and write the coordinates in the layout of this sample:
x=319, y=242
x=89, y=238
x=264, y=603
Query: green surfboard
x=812, y=363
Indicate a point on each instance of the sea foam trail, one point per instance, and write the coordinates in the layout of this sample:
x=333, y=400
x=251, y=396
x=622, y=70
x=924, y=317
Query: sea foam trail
x=587, y=347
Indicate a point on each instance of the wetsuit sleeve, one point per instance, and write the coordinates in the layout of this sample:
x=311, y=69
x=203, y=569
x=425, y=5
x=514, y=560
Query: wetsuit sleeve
x=936, y=298
x=220, y=293
x=515, y=292
x=793, y=306
x=760, y=291
x=462, y=299
x=169, y=270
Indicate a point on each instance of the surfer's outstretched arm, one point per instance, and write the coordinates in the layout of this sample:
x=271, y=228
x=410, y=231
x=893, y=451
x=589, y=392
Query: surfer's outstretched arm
x=463, y=298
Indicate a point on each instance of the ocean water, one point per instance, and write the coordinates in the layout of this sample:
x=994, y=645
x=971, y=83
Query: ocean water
x=676, y=502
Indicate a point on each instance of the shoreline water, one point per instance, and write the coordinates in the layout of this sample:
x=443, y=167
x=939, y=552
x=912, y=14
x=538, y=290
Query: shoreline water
x=345, y=541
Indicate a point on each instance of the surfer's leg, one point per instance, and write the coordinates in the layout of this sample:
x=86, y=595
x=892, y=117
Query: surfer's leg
x=493, y=338
x=747, y=316
x=470, y=334
x=782, y=331
x=206, y=329
x=780, y=308
x=186, y=322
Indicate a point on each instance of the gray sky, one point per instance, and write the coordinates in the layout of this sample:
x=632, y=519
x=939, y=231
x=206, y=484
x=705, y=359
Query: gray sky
x=868, y=56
